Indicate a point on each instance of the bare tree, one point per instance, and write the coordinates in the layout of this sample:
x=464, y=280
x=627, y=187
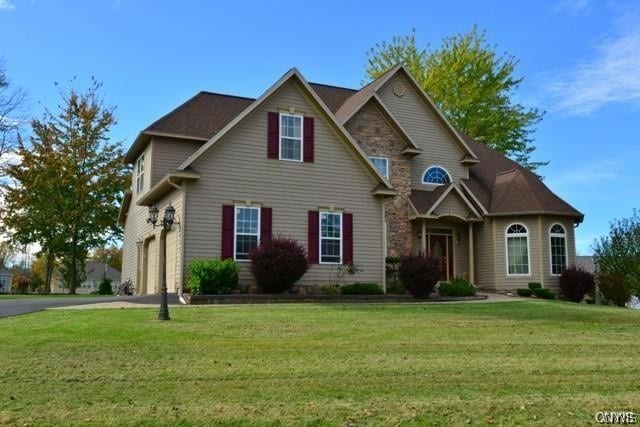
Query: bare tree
x=12, y=101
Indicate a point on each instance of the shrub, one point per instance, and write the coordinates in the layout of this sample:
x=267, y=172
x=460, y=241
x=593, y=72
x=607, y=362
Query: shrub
x=278, y=264
x=535, y=285
x=458, y=287
x=329, y=289
x=361, y=289
x=419, y=274
x=614, y=288
x=575, y=283
x=21, y=284
x=104, y=288
x=544, y=293
x=524, y=292
x=213, y=276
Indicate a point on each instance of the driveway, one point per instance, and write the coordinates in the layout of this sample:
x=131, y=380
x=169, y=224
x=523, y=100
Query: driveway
x=11, y=307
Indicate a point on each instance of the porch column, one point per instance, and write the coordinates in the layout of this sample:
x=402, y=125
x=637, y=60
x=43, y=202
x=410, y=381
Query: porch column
x=423, y=238
x=472, y=278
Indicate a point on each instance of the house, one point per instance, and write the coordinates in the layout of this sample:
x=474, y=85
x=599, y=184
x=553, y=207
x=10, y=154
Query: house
x=586, y=262
x=94, y=272
x=353, y=175
x=6, y=280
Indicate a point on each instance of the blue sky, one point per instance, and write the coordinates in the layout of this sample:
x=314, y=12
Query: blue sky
x=580, y=60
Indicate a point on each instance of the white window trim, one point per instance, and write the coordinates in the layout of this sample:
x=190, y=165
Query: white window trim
x=139, y=174
x=329, y=238
x=235, y=229
x=386, y=160
x=280, y=116
x=506, y=249
x=566, y=249
x=433, y=183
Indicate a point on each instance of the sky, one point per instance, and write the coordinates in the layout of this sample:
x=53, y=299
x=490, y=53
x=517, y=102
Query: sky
x=579, y=59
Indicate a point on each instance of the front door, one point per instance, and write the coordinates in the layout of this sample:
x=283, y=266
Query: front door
x=440, y=247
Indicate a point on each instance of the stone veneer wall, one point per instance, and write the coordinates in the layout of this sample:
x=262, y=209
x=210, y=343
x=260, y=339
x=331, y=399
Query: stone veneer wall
x=378, y=138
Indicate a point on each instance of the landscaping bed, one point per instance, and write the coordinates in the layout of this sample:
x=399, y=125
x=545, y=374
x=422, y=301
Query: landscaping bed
x=297, y=298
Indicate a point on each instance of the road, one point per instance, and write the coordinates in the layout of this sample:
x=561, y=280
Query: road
x=11, y=307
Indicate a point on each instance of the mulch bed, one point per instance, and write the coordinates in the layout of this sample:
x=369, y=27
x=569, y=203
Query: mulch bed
x=295, y=298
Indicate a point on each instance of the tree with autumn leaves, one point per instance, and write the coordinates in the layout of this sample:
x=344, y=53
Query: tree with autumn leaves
x=64, y=193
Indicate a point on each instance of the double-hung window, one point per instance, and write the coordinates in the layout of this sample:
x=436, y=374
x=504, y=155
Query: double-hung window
x=246, y=231
x=330, y=238
x=382, y=164
x=291, y=137
x=517, y=250
x=558, y=245
x=140, y=174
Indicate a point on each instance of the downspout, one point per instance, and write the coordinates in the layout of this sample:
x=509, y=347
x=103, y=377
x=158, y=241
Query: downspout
x=180, y=188
x=541, y=250
x=384, y=249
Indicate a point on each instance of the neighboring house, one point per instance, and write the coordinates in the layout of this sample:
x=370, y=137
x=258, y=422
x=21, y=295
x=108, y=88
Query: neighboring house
x=353, y=175
x=586, y=262
x=95, y=271
x=6, y=278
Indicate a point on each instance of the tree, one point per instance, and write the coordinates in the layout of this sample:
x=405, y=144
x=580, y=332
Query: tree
x=65, y=190
x=112, y=255
x=619, y=252
x=11, y=101
x=7, y=252
x=471, y=84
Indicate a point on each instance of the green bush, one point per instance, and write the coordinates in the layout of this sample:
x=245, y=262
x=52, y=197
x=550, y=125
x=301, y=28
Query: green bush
x=458, y=287
x=524, y=292
x=213, y=276
x=535, y=285
x=104, y=288
x=544, y=293
x=361, y=289
x=614, y=288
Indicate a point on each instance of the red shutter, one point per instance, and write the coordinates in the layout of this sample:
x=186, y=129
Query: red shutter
x=347, y=238
x=228, y=213
x=266, y=215
x=273, y=134
x=307, y=144
x=314, y=228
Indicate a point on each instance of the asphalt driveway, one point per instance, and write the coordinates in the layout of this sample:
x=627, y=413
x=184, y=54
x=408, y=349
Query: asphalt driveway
x=11, y=307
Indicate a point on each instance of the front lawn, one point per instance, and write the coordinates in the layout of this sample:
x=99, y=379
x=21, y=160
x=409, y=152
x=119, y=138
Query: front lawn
x=550, y=363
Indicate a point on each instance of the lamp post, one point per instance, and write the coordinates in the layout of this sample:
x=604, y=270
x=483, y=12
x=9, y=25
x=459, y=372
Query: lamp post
x=166, y=224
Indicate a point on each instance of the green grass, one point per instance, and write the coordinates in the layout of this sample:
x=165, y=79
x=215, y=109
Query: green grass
x=540, y=362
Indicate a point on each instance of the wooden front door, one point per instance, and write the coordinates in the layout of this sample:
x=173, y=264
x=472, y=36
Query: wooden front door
x=441, y=248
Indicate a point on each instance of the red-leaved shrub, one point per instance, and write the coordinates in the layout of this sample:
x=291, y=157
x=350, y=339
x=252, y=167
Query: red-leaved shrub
x=419, y=274
x=575, y=283
x=278, y=264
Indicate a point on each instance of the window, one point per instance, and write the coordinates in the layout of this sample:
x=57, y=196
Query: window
x=330, y=238
x=140, y=174
x=291, y=137
x=382, y=164
x=517, y=250
x=246, y=231
x=436, y=175
x=558, y=245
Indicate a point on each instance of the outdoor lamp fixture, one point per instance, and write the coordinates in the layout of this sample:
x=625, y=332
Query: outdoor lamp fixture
x=167, y=221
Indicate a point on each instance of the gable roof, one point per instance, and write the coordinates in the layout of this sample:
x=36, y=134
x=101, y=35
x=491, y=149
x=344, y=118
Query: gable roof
x=360, y=98
x=292, y=74
x=97, y=270
x=426, y=202
x=503, y=187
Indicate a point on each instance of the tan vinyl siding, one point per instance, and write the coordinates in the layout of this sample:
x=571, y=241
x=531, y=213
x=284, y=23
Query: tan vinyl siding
x=168, y=154
x=237, y=169
x=484, y=260
x=452, y=205
x=425, y=128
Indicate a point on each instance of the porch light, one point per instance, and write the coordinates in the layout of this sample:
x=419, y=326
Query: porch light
x=153, y=215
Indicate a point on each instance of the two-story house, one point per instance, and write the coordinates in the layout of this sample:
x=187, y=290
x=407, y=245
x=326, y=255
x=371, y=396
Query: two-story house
x=353, y=175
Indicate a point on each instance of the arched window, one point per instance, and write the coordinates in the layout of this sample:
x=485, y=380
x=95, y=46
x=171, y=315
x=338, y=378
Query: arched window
x=517, y=250
x=558, y=245
x=436, y=175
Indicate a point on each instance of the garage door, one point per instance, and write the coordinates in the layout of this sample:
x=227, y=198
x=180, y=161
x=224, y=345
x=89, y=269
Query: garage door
x=152, y=267
x=172, y=285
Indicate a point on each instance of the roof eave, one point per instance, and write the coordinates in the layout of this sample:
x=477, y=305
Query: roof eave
x=164, y=186
x=124, y=208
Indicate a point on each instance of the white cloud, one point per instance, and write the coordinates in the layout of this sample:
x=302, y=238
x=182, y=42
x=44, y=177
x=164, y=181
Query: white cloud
x=610, y=76
x=6, y=5
x=572, y=7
